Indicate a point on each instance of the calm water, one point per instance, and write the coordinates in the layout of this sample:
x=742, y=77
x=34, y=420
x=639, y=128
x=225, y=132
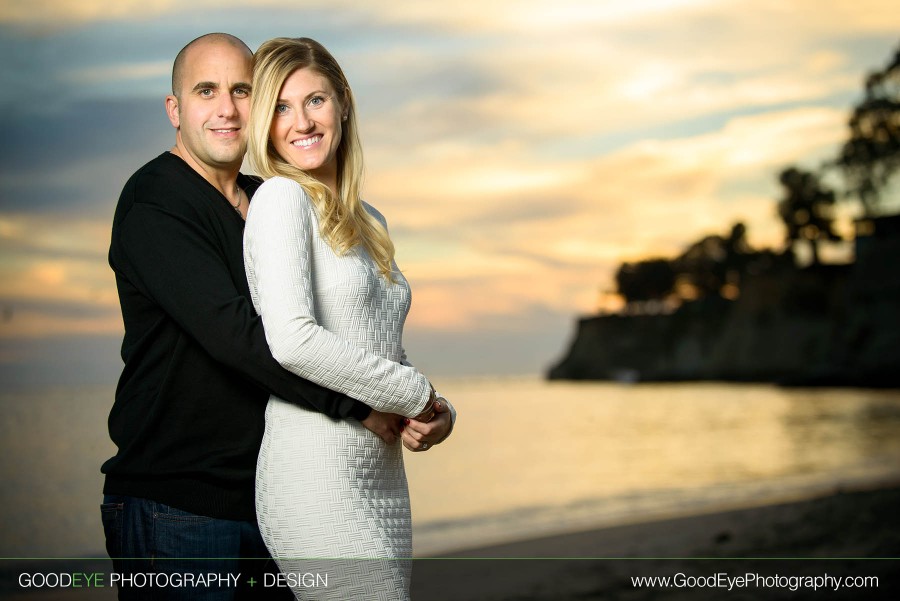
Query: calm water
x=527, y=458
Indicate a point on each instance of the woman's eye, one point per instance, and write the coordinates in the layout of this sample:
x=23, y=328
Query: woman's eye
x=280, y=109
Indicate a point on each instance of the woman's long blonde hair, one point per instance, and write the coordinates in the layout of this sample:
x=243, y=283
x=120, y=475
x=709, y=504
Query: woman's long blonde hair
x=344, y=221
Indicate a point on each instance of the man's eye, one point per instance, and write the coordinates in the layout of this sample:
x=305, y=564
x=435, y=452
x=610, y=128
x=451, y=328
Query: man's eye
x=205, y=92
x=241, y=92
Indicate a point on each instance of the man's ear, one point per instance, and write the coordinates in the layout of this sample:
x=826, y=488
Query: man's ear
x=172, y=111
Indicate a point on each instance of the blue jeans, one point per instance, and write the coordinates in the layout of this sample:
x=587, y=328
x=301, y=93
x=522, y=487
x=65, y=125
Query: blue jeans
x=163, y=553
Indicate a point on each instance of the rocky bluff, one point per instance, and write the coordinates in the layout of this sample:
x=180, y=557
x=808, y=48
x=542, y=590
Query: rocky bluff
x=832, y=325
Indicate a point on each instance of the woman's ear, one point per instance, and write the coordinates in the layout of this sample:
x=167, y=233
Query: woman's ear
x=345, y=104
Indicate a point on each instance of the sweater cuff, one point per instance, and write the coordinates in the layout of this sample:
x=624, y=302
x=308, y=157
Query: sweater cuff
x=359, y=411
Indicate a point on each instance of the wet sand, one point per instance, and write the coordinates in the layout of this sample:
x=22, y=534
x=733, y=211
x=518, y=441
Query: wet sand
x=843, y=534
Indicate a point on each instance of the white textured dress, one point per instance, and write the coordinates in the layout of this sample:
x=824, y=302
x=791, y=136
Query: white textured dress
x=331, y=490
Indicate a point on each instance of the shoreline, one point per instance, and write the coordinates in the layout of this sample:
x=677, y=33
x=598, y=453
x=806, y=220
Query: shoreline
x=839, y=533
x=452, y=538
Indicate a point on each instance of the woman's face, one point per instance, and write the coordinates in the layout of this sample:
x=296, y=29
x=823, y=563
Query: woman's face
x=306, y=127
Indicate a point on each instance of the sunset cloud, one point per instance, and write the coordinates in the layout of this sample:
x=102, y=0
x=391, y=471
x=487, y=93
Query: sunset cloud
x=520, y=150
x=575, y=223
x=54, y=278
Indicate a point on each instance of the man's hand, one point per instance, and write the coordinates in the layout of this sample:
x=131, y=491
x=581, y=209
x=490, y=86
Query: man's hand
x=421, y=436
x=386, y=425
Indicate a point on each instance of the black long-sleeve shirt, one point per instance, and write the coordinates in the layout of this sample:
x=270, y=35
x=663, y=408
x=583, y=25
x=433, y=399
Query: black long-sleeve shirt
x=188, y=417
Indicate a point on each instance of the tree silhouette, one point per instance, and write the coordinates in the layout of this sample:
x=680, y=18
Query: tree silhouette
x=806, y=209
x=703, y=266
x=651, y=280
x=872, y=154
x=703, y=270
x=737, y=249
x=715, y=265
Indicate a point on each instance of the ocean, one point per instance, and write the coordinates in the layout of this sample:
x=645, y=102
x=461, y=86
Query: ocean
x=527, y=458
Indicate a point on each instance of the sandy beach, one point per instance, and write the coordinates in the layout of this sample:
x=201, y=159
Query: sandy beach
x=845, y=534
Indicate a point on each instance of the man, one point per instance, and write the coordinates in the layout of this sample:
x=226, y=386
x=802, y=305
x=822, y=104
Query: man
x=189, y=411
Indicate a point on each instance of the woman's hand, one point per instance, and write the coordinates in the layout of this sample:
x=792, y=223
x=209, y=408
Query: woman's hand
x=422, y=435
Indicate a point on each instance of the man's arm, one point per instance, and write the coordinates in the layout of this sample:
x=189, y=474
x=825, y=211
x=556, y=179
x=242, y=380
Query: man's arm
x=173, y=261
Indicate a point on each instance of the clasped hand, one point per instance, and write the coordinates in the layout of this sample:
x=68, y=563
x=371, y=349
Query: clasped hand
x=420, y=433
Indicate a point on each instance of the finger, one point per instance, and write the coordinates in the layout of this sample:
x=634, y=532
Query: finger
x=411, y=442
x=441, y=421
x=413, y=434
x=420, y=428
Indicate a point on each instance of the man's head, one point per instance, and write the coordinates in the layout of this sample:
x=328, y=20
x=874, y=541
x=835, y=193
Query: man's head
x=210, y=102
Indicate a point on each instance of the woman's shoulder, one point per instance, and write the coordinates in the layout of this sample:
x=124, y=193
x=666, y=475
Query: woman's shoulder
x=281, y=185
x=281, y=188
x=279, y=196
x=374, y=213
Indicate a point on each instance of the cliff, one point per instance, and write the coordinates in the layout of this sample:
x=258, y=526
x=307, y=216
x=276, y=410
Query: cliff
x=823, y=325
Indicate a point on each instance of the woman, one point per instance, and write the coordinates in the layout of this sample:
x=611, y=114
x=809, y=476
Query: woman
x=320, y=267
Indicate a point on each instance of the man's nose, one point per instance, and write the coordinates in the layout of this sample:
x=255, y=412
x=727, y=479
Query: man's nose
x=227, y=106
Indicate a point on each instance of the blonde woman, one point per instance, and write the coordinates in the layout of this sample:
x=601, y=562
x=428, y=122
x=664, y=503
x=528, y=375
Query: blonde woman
x=320, y=265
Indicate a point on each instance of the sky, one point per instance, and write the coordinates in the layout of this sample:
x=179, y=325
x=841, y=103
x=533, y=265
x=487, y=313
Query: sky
x=520, y=150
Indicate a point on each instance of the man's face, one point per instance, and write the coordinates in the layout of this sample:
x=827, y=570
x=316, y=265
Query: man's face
x=212, y=107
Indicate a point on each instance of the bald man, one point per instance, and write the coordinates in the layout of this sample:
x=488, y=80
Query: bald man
x=188, y=417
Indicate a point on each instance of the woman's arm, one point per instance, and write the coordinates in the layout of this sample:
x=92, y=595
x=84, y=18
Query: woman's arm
x=278, y=253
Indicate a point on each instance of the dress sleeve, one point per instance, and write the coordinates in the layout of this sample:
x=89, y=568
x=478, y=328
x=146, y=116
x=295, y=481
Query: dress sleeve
x=278, y=253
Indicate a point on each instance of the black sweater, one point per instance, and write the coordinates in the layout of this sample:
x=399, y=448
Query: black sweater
x=188, y=416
